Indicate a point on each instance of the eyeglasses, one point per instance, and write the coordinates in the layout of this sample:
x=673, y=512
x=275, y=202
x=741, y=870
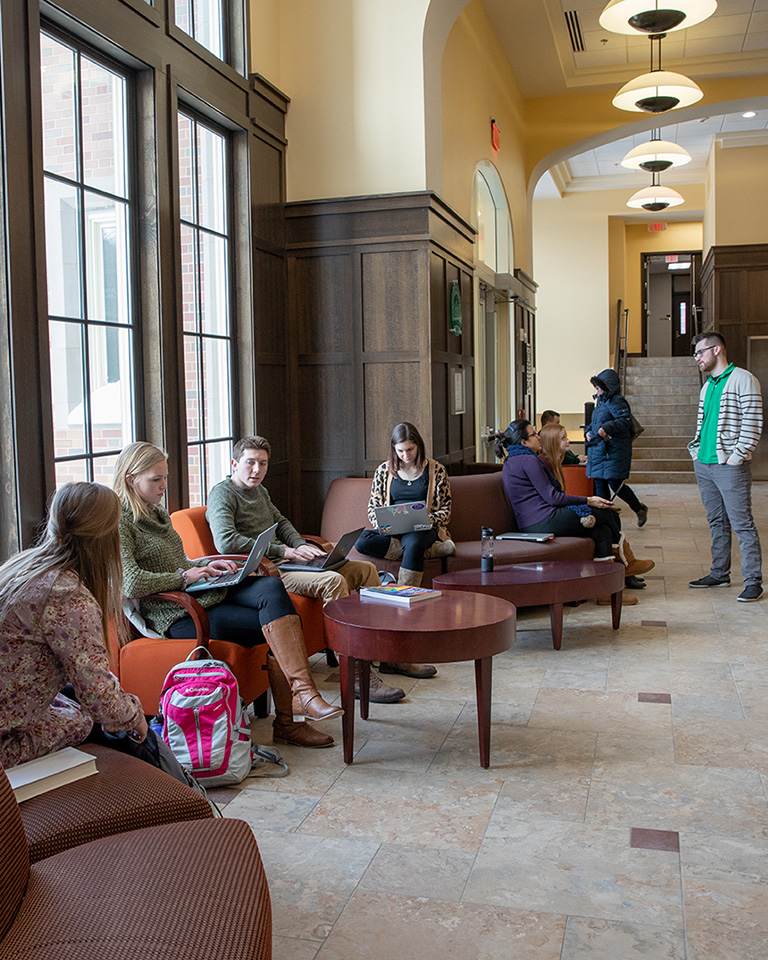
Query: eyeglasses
x=531, y=435
x=700, y=353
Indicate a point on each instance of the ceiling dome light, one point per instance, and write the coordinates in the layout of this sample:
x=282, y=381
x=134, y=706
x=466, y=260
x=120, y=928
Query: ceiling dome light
x=655, y=198
x=656, y=156
x=657, y=92
x=654, y=16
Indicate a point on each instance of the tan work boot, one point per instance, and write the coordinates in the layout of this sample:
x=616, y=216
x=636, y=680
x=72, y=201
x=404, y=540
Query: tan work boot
x=284, y=728
x=419, y=671
x=627, y=600
x=378, y=691
x=286, y=641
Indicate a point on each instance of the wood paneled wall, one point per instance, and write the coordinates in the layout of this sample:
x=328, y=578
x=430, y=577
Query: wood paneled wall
x=368, y=282
x=735, y=295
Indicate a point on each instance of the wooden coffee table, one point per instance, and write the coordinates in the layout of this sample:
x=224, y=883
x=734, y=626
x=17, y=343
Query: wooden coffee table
x=449, y=628
x=550, y=583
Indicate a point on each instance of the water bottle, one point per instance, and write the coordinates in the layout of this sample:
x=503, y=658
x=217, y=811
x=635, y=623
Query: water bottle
x=486, y=550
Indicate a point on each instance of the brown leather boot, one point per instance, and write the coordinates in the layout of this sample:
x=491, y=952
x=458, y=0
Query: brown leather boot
x=284, y=728
x=286, y=641
x=627, y=600
x=634, y=567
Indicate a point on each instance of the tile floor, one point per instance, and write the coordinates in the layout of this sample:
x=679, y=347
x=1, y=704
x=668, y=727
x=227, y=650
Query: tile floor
x=624, y=813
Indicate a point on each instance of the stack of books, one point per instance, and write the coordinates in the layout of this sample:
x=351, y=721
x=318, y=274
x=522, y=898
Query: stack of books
x=53, y=770
x=394, y=593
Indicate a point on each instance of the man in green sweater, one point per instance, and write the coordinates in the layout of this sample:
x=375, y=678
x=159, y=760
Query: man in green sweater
x=240, y=508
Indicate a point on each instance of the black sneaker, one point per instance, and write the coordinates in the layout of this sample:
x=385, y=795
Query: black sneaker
x=751, y=593
x=710, y=581
x=635, y=583
x=642, y=515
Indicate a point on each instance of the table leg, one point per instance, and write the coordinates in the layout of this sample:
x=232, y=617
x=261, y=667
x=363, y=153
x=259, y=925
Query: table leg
x=616, y=609
x=364, y=668
x=483, y=668
x=556, y=619
x=347, y=679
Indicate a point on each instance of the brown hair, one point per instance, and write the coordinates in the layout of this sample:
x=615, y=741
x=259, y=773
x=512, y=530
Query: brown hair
x=135, y=459
x=550, y=437
x=250, y=443
x=405, y=433
x=81, y=536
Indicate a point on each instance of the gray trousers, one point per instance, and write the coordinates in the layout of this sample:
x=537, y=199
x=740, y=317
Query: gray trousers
x=726, y=492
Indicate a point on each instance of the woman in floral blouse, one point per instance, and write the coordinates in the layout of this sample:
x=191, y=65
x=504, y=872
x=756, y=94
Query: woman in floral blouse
x=55, y=602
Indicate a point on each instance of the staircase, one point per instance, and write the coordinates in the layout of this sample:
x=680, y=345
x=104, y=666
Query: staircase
x=664, y=395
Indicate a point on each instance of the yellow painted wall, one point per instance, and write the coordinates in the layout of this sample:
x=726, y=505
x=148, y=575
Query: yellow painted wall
x=478, y=86
x=677, y=236
x=741, y=198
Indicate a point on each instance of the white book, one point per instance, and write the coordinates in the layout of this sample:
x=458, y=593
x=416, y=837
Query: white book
x=53, y=770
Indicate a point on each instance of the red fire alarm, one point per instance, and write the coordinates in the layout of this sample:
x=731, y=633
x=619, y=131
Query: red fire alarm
x=495, y=136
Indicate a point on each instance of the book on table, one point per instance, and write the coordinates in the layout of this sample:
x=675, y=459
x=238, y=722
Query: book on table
x=394, y=593
x=53, y=770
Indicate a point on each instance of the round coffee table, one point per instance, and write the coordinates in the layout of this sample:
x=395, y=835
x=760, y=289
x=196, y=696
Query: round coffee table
x=445, y=629
x=553, y=583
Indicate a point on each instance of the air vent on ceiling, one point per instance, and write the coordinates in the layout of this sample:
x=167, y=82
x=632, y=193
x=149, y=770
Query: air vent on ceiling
x=574, y=30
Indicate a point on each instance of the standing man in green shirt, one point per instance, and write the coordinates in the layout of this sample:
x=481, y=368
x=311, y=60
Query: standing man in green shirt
x=728, y=428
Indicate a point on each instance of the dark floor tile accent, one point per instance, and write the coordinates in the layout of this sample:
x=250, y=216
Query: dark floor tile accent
x=333, y=678
x=653, y=623
x=221, y=796
x=652, y=546
x=654, y=698
x=641, y=838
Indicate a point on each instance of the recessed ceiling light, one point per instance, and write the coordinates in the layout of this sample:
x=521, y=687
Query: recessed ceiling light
x=749, y=114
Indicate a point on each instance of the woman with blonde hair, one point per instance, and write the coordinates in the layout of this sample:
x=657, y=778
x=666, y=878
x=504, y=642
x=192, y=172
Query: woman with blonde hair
x=257, y=609
x=56, y=602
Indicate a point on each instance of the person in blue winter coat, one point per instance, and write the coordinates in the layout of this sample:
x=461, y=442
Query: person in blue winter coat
x=609, y=443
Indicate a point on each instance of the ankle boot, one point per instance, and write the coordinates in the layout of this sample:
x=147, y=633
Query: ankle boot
x=284, y=728
x=409, y=578
x=627, y=600
x=286, y=641
x=634, y=567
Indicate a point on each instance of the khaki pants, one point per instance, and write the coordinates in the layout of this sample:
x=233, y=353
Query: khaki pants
x=331, y=584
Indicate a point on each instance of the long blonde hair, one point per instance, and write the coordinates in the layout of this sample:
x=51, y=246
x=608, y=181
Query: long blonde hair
x=81, y=536
x=550, y=436
x=135, y=459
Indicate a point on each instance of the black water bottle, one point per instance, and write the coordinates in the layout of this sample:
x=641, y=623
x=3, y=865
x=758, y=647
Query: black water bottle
x=486, y=550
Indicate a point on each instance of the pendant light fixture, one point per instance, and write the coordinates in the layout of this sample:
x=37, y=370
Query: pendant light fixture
x=654, y=16
x=656, y=156
x=655, y=197
x=659, y=90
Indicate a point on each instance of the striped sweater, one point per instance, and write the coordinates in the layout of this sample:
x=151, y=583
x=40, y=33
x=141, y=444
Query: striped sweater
x=740, y=421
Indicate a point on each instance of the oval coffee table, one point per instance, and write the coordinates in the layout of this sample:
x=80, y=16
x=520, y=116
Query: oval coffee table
x=550, y=583
x=445, y=629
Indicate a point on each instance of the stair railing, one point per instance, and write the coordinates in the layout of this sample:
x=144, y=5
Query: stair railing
x=620, y=343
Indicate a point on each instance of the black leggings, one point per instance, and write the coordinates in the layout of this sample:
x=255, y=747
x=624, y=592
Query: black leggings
x=375, y=544
x=627, y=494
x=239, y=618
x=565, y=523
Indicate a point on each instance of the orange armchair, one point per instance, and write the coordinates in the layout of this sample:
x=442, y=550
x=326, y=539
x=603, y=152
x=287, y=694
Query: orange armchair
x=142, y=665
x=192, y=526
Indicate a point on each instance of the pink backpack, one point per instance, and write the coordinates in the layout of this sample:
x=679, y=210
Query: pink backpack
x=204, y=725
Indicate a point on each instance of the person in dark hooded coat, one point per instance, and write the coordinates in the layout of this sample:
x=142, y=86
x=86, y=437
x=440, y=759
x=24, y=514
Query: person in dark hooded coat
x=609, y=443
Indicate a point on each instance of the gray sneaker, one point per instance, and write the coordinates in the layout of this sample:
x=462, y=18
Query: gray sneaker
x=379, y=692
x=710, y=581
x=751, y=593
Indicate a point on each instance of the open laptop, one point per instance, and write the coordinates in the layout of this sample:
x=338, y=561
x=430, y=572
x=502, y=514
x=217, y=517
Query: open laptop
x=536, y=537
x=258, y=550
x=397, y=518
x=329, y=561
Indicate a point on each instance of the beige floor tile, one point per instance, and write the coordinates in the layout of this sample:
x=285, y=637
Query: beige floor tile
x=731, y=859
x=726, y=921
x=288, y=948
x=722, y=743
x=705, y=678
x=415, y=871
x=599, y=712
x=385, y=927
x=588, y=939
x=576, y=869
x=624, y=749
x=266, y=810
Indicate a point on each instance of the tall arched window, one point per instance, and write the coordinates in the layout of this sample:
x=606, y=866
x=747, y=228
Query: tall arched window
x=492, y=220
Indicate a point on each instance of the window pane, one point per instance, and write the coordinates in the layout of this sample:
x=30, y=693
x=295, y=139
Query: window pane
x=104, y=146
x=186, y=171
x=192, y=383
x=212, y=185
x=104, y=468
x=71, y=471
x=67, y=379
x=217, y=462
x=107, y=259
x=62, y=249
x=58, y=101
x=217, y=390
x=111, y=387
x=195, y=464
x=190, y=313
x=214, y=285
x=208, y=25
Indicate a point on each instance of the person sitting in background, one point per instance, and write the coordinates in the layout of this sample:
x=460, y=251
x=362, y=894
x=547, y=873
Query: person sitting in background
x=56, y=602
x=255, y=610
x=570, y=459
x=240, y=509
x=408, y=475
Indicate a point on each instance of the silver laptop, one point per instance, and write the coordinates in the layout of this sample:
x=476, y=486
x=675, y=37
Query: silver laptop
x=258, y=550
x=397, y=518
x=329, y=561
x=536, y=537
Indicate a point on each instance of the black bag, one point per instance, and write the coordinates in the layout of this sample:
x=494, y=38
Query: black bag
x=637, y=427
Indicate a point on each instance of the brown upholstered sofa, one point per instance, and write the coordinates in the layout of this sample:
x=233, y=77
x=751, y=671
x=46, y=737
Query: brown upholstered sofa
x=478, y=501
